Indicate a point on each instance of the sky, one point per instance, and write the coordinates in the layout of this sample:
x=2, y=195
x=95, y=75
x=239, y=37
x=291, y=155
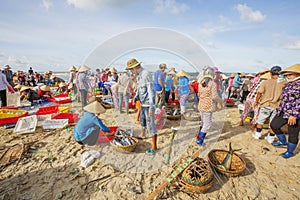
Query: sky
x=236, y=35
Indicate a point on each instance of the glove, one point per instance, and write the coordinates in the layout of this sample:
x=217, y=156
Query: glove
x=11, y=89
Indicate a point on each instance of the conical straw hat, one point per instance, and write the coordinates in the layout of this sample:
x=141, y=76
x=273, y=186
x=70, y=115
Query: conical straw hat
x=171, y=72
x=72, y=68
x=62, y=84
x=266, y=76
x=292, y=69
x=84, y=68
x=249, y=75
x=24, y=88
x=95, y=107
x=181, y=73
x=113, y=70
x=132, y=63
x=18, y=86
x=45, y=88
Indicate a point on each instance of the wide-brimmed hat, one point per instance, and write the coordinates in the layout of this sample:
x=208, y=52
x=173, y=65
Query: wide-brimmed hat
x=62, y=84
x=23, y=88
x=113, y=70
x=171, y=72
x=242, y=74
x=216, y=69
x=45, y=88
x=52, y=76
x=132, y=63
x=162, y=65
x=7, y=67
x=266, y=76
x=95, y=107
x=84, y=68
x=292, y=69
x=249, y=75
x=18, y=86
x=232, y=75
x=181, y=73
x=72, y=68
x=224, y=76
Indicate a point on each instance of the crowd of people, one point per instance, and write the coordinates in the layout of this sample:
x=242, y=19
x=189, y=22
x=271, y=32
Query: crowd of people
x=272, y=95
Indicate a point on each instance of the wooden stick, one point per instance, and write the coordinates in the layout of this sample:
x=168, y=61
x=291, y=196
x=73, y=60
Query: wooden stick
x=170, y=145
x=173, y=175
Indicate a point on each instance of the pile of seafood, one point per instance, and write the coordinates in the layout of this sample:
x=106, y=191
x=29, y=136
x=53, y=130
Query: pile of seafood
x=123, y=138
x=173, y=113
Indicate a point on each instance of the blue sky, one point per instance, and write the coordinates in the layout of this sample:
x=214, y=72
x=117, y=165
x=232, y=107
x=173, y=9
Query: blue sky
x=237, y=35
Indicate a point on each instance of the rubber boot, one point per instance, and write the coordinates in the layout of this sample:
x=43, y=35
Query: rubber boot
x=290, y=149
x=200, y=138
x=281, y=140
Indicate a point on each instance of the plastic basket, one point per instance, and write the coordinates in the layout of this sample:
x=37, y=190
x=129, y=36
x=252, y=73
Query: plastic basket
x=60, y=100
x=42, y=118
x=26, y=125
x=55, y=123
x=112, y=131
x=47, y=110
x=63, y=109
x=72, y=118
x=10, y=116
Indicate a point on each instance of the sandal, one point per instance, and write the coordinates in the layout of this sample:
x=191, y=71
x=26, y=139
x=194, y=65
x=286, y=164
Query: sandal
x=150, y=152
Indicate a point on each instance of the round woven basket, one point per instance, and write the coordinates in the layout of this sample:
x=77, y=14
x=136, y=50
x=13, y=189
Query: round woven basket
x=229, y=104
x=125, y=149
x=216, y=157
x=174, y=117
x=107, y=106
x=192, y=118
x=197, y=178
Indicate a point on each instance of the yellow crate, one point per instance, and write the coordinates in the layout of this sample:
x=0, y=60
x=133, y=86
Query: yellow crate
x=63, y=109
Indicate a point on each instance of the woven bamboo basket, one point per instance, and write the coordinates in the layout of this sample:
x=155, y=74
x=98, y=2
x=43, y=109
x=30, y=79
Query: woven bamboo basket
x=229, y=104
x=107, y=106
x=197, y=178
x=174, y=117
x=216, y=157
x=191, y=118
x=125, y=149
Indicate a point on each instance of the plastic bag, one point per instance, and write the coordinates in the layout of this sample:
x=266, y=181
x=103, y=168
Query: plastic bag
x=89, y=157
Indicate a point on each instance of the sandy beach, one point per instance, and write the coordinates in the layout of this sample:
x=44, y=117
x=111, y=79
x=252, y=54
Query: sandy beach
x=51, y=169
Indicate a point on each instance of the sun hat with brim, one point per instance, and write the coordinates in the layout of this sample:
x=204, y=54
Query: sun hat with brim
x=72, y=68
x=132, y=63
x=62, y=84
x=45, y=88
x=224, y=76
x=216, y=69
x=181, y=73
x=171, y=72
x=18, y=86
x=266, y=76
x=249, y=75
x=7, y=67
x=232, y=75
x=24, y=88
x=242, y=74
x=291, y=70
x=162, y=65
x=95, y=107
x=52, y=76
x=84, y=68
x=208, y=76
x=113, y=70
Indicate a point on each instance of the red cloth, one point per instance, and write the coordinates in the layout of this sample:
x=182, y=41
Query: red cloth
x=194, y=87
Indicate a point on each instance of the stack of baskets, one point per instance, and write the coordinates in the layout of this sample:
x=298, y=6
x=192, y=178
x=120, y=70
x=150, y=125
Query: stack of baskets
x=217, y=156
x=197, y=177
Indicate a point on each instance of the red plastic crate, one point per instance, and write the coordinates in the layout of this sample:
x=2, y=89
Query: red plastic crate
x=60, y=100
x=112, y=131
x=70, y=116
x=175, y=101
x=47, y=110
x=11, y=120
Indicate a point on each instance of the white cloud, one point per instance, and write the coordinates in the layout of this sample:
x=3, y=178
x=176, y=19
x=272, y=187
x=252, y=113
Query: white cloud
x=171, y=6
x=293, y=45
x=249, y=15
x=95, y=4
x=46, y=4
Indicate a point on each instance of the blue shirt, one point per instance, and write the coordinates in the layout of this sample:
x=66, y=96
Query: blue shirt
x=183, y=83
x=85, y=126
x=237, y=81
x=169, y=84
x=158, y=74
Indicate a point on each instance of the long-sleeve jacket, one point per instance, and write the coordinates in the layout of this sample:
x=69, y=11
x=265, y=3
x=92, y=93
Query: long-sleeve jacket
x=183, y=85
x=85, y=126
x=237, y=81
x=3, y=82
x=208, y=97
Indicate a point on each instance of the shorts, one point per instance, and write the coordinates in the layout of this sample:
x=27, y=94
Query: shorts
x=265, y=113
